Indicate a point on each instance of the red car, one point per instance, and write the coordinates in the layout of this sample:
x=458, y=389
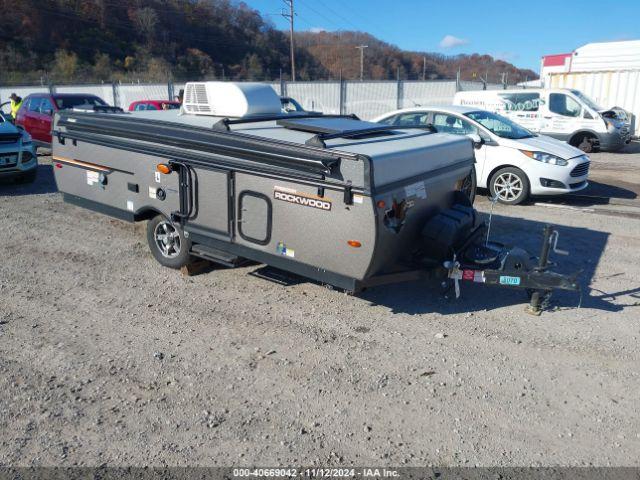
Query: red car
x=37, y=110
x=153, y=105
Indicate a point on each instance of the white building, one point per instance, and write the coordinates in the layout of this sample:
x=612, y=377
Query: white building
x=608, y=72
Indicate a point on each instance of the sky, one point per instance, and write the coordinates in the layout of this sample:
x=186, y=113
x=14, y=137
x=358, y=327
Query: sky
x=516, y=31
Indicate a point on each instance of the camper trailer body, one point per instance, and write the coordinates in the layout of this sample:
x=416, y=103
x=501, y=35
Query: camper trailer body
x=339, y=214
x=344, y=202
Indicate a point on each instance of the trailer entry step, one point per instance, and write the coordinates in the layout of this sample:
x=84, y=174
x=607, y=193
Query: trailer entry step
x=217, y=256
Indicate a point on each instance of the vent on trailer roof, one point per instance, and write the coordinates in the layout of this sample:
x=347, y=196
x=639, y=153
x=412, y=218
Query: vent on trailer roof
x=228, y=99
x=195, y=99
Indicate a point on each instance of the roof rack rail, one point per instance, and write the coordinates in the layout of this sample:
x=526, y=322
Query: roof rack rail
x=224, y=123
x=319, y=139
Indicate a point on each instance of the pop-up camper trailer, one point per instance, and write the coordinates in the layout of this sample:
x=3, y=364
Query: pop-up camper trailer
x=344, y=202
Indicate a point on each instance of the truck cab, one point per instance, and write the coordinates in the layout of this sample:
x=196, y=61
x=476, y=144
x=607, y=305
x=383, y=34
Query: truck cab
x=565, y=114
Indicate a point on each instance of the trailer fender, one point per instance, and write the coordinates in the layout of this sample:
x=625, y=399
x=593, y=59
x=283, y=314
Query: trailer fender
x=146, y=213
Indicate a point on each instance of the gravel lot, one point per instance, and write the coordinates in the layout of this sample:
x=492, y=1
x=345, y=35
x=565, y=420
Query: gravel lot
x=107, y=358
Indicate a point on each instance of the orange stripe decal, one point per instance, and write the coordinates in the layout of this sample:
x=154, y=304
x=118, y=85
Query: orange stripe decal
x=71, y=161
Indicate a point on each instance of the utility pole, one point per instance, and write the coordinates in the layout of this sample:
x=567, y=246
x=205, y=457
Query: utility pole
x=361, y=48
x=424, y=68
x=290, y=16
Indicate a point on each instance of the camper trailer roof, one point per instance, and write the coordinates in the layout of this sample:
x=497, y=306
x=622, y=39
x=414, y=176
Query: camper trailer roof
x=301, y=129
x=396, y=155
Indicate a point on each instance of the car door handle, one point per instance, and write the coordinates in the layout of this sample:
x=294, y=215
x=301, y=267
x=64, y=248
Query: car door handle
x=548, y=118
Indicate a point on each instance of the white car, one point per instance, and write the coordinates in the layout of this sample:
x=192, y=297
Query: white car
x=512, y=162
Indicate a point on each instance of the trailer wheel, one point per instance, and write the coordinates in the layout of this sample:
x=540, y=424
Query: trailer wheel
x=167, y=242
x=510, y=185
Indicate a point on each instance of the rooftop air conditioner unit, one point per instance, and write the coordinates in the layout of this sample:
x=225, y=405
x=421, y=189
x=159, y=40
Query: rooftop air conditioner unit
x=229, y=99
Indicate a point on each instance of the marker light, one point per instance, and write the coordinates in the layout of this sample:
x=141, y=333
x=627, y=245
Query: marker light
x=163, y=168
x=354, y=243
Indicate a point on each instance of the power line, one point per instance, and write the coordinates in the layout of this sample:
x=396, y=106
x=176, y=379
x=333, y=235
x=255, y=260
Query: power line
x=337, y=14
x=322, y=15
x=357, y=14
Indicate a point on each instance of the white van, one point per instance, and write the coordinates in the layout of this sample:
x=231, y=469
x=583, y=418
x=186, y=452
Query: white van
x=565, y=114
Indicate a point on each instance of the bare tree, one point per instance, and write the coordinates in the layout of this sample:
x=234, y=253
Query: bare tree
x=146, y=19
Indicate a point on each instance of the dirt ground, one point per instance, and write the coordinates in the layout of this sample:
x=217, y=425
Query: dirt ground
x=108, y=358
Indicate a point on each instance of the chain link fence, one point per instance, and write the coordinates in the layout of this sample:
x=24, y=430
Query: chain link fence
x=367, y=99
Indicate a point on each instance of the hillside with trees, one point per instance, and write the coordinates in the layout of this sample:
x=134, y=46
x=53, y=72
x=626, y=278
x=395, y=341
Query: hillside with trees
x=336, y=53
x=62, y=41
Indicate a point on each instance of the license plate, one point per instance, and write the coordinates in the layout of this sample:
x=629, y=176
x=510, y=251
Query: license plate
x=7, y=159
x=507, y=280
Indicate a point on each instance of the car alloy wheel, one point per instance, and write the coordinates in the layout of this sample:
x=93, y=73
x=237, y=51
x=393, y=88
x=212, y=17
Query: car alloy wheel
x=508, y=187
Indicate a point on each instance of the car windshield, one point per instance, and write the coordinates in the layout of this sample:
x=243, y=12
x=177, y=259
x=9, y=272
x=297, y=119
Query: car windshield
x=499, y=125
x=170, y=106
x=65, y=103
x=291, y=105
x=587, y=101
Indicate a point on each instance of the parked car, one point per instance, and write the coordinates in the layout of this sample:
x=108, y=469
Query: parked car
x=5, y=111
x=153, y=105
x=512, y=162
x=38, y=109
x=560, y=113
x=291, y=105
x=17, y=153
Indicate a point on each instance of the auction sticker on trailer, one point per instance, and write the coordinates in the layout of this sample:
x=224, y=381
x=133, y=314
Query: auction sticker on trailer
x=282, y=249
x=417, y=189
x=92, y=177
x=507, y=280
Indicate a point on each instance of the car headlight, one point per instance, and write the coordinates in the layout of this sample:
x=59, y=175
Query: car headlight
x=26, y=157
x=545, y=158
x=26, y=139
x=611, y=124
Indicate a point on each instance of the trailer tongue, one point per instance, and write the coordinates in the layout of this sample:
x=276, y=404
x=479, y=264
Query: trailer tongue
x=344, y=202
x=495, y=264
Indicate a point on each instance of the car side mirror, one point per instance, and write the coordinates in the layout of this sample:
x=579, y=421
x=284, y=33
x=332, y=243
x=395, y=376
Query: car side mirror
x=477, y=140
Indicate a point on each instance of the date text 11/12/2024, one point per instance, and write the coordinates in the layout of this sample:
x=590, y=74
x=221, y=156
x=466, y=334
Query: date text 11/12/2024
x=316, y=472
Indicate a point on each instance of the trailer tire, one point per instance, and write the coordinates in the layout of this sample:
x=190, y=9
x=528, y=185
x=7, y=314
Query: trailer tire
x=510, y=185
x=469, y=185
x=168, y=243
